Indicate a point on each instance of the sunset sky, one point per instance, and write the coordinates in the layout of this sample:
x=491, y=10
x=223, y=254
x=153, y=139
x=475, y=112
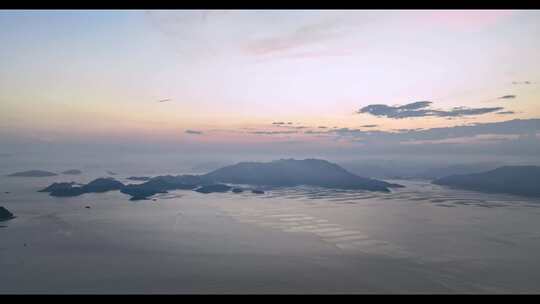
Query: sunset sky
x=267, y=77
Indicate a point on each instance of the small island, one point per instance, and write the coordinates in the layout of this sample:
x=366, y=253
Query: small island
x=72, y=172
x=138, y=178
x=5, y=214
x=33, y=173
x=63, y=189
x=518, y=180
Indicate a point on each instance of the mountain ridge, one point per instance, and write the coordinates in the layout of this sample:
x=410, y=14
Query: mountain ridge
x=519, y=180
x=283, y=172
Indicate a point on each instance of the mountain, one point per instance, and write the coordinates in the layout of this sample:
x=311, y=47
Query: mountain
x=519, y=180
x=291, y=172
x=33, y=173
x=392, y=169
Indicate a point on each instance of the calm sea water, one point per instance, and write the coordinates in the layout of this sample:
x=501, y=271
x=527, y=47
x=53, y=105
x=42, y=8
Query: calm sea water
x=419, y=239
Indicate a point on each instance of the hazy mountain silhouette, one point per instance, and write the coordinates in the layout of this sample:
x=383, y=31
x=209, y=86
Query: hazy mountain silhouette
x=207, y=166
x=138, y=178
x=72, y=172
x=519, y=180
x=458, y=169
x=291, y=172
x=33, y=173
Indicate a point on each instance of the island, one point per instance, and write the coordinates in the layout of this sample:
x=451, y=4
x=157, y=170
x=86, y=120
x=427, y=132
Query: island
x=99, y=185
x=518, y=180
x=140, y=193
x=162, y=184
x=72, y=172
x=63, y=189
x=213, y=188
x=292, y=172
x=33, y=173
x=458, y=169
x=103, y=184
x=281, y=173
x=5, y=214
x=138, y=178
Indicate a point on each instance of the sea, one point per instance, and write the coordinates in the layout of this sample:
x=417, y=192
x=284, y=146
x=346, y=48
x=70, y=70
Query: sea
x=420, y=239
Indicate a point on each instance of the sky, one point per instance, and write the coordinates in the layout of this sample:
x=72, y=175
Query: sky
x=358, y=82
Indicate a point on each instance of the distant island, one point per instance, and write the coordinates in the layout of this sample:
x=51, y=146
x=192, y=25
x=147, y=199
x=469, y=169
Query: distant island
x=282, y=173
x=291, y=172
x=33, y=173
x=213, y=188
x=518, y=180
x=73, y=189
x=138, y=178
x=72, y=172
x=5, y=214
x=458, y=169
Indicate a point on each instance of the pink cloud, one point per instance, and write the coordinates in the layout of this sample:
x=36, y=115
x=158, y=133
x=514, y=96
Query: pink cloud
x=467, y=19
x=307, y=35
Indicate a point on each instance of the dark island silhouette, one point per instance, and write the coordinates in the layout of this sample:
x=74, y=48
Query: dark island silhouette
x=5, y=214
x=102, y=185
x=291, y=172
x=72, y=172
x=213, y=188
x=99, y=185
x=162, y=184
x=33, y=173
x=280, y=173
x=518, y=180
